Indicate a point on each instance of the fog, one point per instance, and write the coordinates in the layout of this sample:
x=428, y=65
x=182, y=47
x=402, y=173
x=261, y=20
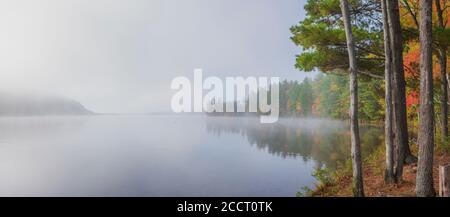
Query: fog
x=165, y=155
x=120, y=56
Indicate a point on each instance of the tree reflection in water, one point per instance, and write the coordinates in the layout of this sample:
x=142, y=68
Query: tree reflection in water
x=327, y=142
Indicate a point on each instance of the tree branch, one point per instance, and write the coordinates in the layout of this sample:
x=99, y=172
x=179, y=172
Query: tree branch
x=370, y=74
x=411, y=12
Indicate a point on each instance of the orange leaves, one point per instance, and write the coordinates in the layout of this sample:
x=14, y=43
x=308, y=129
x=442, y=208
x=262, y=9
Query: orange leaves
x=412, y=99
x=411, y=61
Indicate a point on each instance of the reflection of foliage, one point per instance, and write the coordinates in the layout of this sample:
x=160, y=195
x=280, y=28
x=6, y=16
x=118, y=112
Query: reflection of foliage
x=323, y=141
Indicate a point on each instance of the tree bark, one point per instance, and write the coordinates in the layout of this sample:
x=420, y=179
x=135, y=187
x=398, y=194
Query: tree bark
x=358, y=188
x=389, y=141
x=444, y=181
x=442, y=59
x=424, y=180
x=398, y=89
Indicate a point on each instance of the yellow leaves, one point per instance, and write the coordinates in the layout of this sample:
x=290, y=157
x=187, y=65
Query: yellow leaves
x=334, y=87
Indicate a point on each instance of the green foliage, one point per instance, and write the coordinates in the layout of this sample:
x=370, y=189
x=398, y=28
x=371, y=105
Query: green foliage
x=371, y=104
x=443, y=146
x=328, y=96
x=373, y=160
x=324, y=176
x=332, y=96
x=296, y=98
x=442, y=36
x=305, y=192
x=322, y=37
x=306, y=97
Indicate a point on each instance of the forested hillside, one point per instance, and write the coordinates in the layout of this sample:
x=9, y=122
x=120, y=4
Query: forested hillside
x=15, y=104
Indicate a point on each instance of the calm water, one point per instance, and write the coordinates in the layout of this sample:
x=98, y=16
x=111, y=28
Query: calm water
x=168, y=155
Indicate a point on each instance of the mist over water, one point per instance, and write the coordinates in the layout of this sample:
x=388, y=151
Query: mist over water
x=162, y=155
x=67, y=63
x=116, y=56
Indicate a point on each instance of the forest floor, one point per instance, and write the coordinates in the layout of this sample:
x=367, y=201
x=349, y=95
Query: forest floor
x=374, y=185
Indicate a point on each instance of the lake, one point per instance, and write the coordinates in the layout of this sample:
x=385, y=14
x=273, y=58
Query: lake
x=163, y=155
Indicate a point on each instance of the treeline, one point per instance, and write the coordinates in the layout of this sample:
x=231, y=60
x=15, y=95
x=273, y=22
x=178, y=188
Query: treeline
x=325, y=96
x=328, y=96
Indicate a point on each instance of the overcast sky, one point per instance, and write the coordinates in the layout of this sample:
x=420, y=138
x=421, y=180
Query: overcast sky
x=121, y=55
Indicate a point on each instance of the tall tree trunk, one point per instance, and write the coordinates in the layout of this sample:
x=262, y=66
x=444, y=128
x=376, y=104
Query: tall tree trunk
x=389, y=140
x=442, y=59
x=424, y=181
x=358, y=188
x=398, y=90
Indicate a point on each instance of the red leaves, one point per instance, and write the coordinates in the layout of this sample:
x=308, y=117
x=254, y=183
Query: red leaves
x=412, y=99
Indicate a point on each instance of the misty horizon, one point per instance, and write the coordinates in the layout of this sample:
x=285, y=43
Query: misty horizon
x=120, y=57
